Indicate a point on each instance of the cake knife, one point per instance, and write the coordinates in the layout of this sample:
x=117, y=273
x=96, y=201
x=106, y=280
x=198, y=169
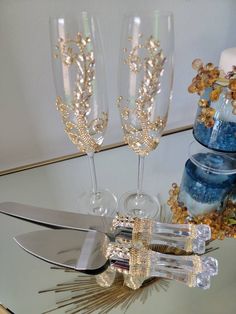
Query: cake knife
x=187, y=237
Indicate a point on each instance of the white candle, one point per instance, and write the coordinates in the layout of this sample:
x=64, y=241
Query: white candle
x=227, y=59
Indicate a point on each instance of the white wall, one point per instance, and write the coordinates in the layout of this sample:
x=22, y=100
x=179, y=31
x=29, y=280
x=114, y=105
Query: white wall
x=30, y=128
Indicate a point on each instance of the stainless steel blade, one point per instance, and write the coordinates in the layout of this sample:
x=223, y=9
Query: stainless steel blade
x=78, y=250
x=56, y=218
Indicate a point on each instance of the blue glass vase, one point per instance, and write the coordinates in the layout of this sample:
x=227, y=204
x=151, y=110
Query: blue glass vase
x=207, y=179
x=221, y=136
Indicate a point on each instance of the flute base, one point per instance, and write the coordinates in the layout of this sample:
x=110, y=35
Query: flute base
x=102, y=203
x=140, y=205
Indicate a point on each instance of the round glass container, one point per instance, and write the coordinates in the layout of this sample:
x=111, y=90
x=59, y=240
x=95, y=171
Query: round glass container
x=230, y=206
x=207, y=179
x=219, y=131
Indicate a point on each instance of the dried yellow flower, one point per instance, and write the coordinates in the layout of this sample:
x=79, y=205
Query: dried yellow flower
x=232, y=85
x=203, y=103
x=209, y=76
x=210, y=66
x=197, y=64
x=206, y=116
x=233, y=95
x=192, y=89
x=215, y=94
x=206, y=76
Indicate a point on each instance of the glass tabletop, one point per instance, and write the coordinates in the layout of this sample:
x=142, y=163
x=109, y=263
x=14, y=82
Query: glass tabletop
x=60, y=186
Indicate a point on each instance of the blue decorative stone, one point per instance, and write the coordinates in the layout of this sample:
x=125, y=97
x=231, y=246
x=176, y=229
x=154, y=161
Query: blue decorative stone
x=221, y=137
x=202, y=189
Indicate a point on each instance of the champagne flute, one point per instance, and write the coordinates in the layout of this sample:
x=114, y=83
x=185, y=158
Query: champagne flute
x=79, y=77
x=145, y=89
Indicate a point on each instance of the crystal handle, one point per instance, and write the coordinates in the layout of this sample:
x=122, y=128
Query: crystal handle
x=193, y=263
x=188, y=237
x=147, y=225
x=187, y=244
x=200, y=280
x=194, y=231
x=194, y=271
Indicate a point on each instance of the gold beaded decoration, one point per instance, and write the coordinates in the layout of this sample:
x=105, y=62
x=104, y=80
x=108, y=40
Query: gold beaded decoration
x=188, y=247
x=191, y=280
x=121, y=221
x=197, y=264
x=142, y=232
x=117, y=250
x=139, y=137
x=193, y=231
x=140, y=262
x=75, y=112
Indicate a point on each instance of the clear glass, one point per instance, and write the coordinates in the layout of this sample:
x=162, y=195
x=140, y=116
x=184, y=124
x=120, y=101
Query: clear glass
x=145, y=92
x=194, y=271
x=79, y=76
x=188, y=237
x=153, y=229
x=184, y=243
x=229, y=206
x=207, y=179
x=221, y=134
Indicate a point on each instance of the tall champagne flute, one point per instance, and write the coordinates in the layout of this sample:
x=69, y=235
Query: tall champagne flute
x=79, y=77
x=145, y=92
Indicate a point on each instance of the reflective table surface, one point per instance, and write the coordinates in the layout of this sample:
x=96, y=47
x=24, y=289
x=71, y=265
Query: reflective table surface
x=60, y=186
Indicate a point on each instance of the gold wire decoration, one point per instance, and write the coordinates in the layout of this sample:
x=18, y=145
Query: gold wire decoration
x=209, y=76
x=75, y=111
x=223, y=224
x=89, y=297
x=140, y=138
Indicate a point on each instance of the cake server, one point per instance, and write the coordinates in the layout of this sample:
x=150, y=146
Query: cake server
x=92, y=252
x=78, y=250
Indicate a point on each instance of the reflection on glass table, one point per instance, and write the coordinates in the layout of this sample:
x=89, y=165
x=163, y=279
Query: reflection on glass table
x=56, y=186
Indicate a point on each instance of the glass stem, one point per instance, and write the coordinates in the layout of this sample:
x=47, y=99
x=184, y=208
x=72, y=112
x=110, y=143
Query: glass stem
x=93, y=173
x=140, y=174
